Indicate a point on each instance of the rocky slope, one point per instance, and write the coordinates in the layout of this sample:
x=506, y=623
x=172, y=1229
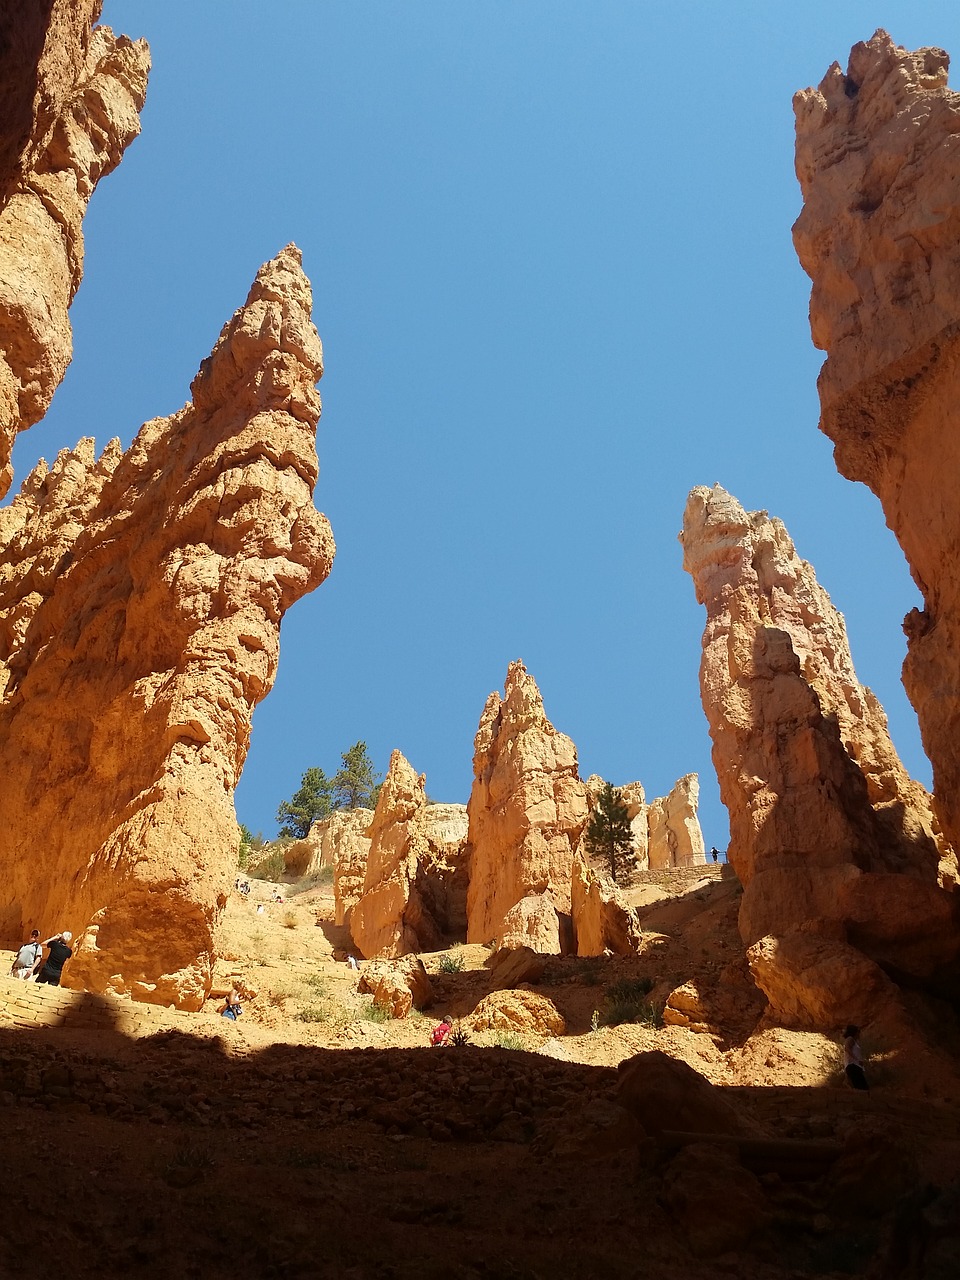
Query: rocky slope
x=70, y=102
x=877, y=159
x=828, y=832
x=141, y=596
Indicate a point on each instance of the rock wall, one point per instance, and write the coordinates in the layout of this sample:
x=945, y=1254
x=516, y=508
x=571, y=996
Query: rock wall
x=414, y=885
x=527, y=808
x=826, y=826
x=141, y=596
x=878, y=158
x=338, y=841
x=674, y=837
x=70, y=102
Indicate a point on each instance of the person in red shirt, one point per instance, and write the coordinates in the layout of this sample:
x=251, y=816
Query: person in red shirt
x=441, y=1033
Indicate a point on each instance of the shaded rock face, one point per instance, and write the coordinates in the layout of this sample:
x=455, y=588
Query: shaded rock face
x=70, y=102
x=674, y=835
x=878, y=158
x=824, y=819
x=602, y=921
x=527, y=808
x=141, y=596
x=814, y=981
x=414, y=881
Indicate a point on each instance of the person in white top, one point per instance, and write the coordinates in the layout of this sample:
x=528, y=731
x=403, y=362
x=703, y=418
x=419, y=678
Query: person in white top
x=853, y=1059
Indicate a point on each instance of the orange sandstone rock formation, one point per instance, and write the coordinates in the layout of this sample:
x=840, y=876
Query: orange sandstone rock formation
x=602, y=920
x=141, y=596
x=70, y=98
x=414, y=884
x=878, y=157
x=674, y=837
x=826, y=826
x=527, y=808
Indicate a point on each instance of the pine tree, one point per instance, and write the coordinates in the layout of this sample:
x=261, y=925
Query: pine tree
x=355, y=783
x=608, y=830
x=305, y=806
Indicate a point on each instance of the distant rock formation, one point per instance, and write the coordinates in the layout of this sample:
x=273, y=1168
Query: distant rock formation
x=632, y=795
x=527, y=808
x=826, y=825
x=70, y=102
x=338, y=841
x=141, y=596
x=414, y=885
x=878, y=150
x=674, y=837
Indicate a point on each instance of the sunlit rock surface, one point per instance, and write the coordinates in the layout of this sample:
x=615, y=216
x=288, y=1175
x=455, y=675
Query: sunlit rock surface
x=141, y=595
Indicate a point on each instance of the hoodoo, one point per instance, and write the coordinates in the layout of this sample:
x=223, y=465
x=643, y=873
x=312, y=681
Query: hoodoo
x=70, y=103
x=527, y=808
x=827, y=829
x=140, y=605
x=878, y=158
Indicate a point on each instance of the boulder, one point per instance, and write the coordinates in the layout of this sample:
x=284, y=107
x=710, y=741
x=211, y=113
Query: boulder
x=685, y=1007
x=877, y=153
x=525, y=1011
x=663, y=1093
x=817, y=982
x=397, y=986
x=527, y=808
x=141, y=597
x=70, y=101
x=715, y=1204
x=515, y=965
x=533, y=924
x=602, y=920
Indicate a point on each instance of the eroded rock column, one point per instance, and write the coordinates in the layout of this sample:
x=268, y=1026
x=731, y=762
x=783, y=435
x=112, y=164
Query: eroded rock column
x=141, y=596
x=878, y=159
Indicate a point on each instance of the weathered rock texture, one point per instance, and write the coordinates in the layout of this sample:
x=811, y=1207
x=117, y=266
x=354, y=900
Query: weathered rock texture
x=531, y=923
x=632, y=795
x=70, y=99
x=141, y=596
x=337, y=840
x=602, y=920
x=674, y=837
x=878, y=158
x=517, y=1010
x=397, y=987
x=414, y=884
x=527, y=808
x=825, y=823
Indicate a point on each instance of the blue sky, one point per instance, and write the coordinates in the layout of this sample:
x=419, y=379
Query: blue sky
x=553, y=275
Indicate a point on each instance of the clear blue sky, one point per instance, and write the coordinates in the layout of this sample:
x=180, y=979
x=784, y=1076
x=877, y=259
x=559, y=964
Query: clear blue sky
x=553, y=275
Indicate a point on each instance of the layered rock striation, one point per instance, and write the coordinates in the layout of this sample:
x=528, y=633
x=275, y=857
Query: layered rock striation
x=828, y=832
x=527, y=808
x=141, y=596
x=70, y=102
x=878, y=159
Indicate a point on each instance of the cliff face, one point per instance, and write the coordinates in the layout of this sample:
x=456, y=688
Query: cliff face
x=527, y=808
x=141, y=596
x=827, y=828
x=878, y=159
x=70, y=98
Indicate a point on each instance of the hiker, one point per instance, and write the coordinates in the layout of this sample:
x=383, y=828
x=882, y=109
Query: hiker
x=60, y=953
x=441, y=1033
x=27, y=960
x=852, y=1059
x=259, y=908
x=352, y=962
x=232, y=1009
x=715, y=854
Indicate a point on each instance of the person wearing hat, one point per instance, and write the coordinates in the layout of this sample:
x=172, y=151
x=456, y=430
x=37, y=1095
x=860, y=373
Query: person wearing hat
x=27, y=960
x=60, y=953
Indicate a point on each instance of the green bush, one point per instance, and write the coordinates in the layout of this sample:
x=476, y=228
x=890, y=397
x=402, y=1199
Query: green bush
x=627, y=989
x=508, y=1040
x=313, y=1013
x=620, y=1011
x=451, y=963
x=271, y=866
x=374, y=1013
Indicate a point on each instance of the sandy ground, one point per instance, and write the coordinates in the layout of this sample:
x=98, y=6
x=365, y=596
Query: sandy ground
x=313, y=1139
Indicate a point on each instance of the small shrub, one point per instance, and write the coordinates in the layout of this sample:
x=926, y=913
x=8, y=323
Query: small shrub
x=269, y=866
x=317, y=982
x=376, y=1013
x=619, y=1011
x=451, y=963
x=313, y=1013
x=277, y=997
x=508, y=1040
x=289, y=919
x=459, y=1037
x=628, y=989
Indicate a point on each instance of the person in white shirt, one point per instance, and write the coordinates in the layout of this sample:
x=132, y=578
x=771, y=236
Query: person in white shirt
x=853, y=1059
